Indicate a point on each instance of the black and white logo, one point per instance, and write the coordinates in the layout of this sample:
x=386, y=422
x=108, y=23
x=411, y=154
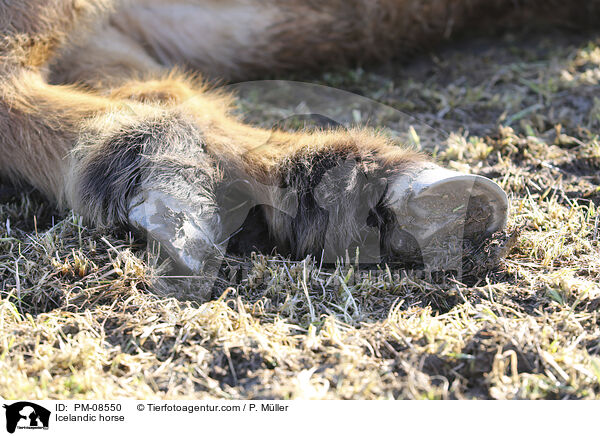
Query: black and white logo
x=24, y=415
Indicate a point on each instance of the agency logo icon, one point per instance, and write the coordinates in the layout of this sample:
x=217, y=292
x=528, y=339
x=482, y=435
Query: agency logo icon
x=24, y=415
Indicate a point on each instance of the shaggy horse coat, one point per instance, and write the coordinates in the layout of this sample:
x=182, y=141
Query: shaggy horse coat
x=94, y=114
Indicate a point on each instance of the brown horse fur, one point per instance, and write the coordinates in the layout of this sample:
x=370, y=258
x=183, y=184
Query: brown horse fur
x=92, y=107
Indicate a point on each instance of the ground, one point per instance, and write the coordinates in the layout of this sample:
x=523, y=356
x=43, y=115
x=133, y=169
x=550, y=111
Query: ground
x=80, y=319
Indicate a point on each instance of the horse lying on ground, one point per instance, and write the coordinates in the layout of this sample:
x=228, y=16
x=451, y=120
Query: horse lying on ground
x=97, y=115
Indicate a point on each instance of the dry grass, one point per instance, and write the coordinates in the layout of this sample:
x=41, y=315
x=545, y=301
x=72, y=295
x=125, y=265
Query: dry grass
x=79, y=318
